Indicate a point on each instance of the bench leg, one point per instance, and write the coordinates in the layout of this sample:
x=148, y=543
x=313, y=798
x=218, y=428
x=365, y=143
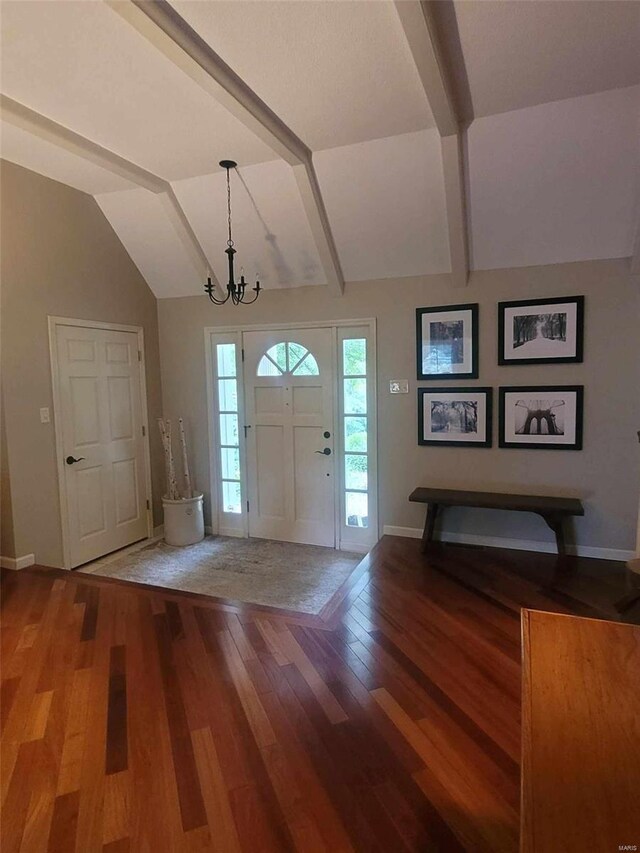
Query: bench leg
x=429, y=524
x=564, y=565
x=556, y=523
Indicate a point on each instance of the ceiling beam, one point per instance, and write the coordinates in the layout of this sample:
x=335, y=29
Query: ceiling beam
x=420, y=31
x=453, y=168
x=419, y=25
x=169, y=33
x=313, y=204
x=185, y=232
x=38, y=125
x=57, y=134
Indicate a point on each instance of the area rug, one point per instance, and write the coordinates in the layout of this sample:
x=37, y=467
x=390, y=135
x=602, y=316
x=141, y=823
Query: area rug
x=256, y=571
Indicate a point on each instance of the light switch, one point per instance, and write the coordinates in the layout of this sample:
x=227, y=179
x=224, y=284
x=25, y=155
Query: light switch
x=399, y=386
x=44, y=416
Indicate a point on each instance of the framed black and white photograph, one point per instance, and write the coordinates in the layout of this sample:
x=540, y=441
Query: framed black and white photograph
x=447, y=342
x=541, y=416
x=542, y=331
x=455, y=416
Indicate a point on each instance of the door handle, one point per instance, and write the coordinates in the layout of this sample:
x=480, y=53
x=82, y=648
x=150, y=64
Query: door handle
x=70, y=460
x=325, y=452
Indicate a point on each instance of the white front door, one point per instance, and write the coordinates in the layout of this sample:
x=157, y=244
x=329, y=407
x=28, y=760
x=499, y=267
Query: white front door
x=288, y=376
x=100, y=418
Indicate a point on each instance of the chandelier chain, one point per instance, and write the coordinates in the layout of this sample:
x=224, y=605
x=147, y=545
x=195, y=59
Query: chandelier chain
x=229, y=241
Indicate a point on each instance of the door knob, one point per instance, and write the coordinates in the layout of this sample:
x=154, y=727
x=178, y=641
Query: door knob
x=326, y=451
x=70, y=460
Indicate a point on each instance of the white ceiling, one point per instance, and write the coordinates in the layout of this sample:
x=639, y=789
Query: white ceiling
x=556, y=182
x=141, y=221
x=553, y=168
x=335, y=72
x=519, y=54
x=385, y=201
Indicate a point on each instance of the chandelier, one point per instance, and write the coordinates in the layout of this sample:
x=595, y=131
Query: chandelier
x=235, y=292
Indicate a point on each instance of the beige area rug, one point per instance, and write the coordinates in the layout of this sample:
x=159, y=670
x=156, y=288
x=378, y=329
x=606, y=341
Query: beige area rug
x=257, y=571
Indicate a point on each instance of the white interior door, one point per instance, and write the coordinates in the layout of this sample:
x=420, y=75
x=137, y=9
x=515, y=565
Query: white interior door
x=100, y=418
x=289, y=387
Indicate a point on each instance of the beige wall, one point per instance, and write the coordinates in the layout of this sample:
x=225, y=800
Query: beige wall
x=7, y=543
x=605, y=474
x=61, y=257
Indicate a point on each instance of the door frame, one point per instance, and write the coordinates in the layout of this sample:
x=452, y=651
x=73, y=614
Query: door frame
x=236, y=332
x=53, y=323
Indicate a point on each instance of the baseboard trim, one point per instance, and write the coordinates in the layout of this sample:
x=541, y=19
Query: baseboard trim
x=16, y=563
x=514, y=544
x=158, y=532
x=355, y=547
x=232, y=532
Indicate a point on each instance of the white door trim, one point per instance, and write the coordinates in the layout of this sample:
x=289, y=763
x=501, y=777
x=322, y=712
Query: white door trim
x=214, y=474
x=53, y=323
x=273, y=327
x=235, y=337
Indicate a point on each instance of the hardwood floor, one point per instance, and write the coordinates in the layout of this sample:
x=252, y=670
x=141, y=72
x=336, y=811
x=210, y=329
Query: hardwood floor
x=135, y=719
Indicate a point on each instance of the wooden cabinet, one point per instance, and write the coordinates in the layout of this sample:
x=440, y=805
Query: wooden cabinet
x=580, y=735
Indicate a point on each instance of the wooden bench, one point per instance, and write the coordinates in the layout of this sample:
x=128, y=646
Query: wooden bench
x=553, y=510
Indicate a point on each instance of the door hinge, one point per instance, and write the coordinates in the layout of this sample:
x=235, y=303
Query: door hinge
x=245, y=428
x=247, y=506
x=148, y=505
x=144, y=429
x=242, y=351
x=139, y=355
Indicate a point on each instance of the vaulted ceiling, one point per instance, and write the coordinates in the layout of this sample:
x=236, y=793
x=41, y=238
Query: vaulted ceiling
x=341, y=116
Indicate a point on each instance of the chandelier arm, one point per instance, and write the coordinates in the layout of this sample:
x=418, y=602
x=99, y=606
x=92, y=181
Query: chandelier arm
x=217, y=301
x=251, y=301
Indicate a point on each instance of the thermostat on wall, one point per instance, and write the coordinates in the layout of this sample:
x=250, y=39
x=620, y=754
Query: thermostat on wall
x=399, y=386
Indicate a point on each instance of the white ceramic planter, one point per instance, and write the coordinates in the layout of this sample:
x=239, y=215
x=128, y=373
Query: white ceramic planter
x=183, y=520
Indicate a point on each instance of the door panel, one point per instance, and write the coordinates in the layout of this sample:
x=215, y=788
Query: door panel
x=90, y=501
x=289, y=406
x=269, y=401
x=120, y=407
x=307, y=401
x=85, y=420
x=125, y=490
x=100, y=418
x=310, y=479
x=270, y=461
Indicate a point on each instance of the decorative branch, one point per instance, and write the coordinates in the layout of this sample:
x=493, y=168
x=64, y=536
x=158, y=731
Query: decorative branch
x=165, y=434
x=188, y=493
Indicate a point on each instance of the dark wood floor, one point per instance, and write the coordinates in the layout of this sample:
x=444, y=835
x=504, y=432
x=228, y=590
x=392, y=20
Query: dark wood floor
x=136, y=719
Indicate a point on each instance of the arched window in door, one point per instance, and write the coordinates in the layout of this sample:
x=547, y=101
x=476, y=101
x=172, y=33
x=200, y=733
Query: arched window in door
x=288, y=357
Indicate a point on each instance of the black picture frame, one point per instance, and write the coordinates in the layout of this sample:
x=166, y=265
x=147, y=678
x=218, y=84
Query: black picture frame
x=543, y=442
x=472, y=307
x=485, y=391
x=578, y=335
